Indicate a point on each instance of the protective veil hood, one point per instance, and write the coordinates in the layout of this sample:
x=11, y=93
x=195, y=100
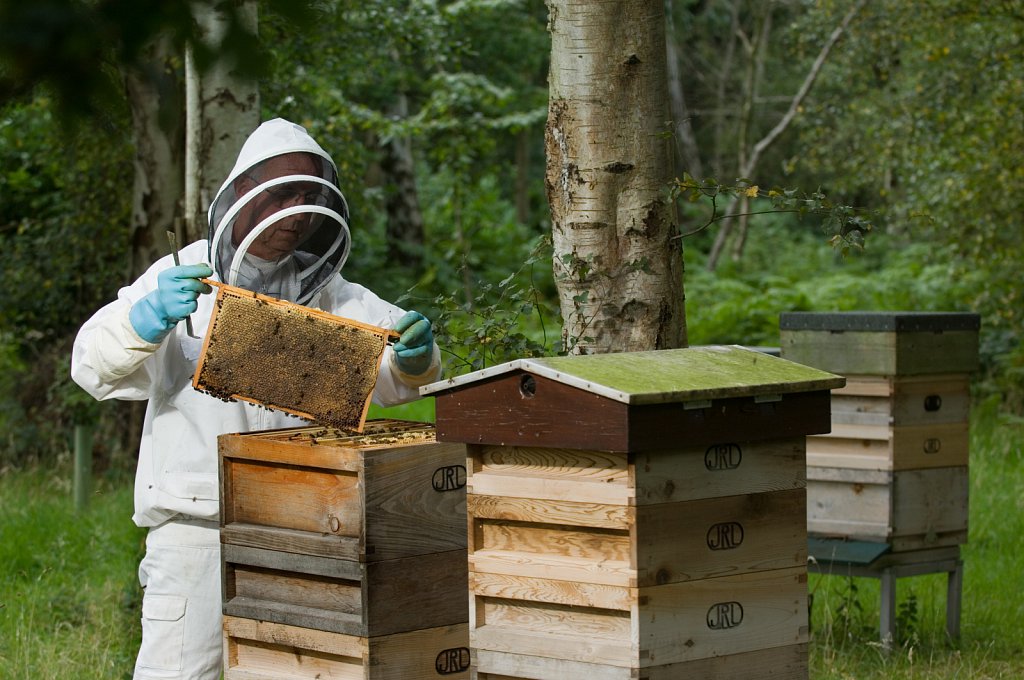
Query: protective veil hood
x=279, y=223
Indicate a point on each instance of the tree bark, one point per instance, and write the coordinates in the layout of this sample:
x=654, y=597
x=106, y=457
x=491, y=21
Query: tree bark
x=618, y=268
x=401, y=198
x=229, y=110
x=154, y=93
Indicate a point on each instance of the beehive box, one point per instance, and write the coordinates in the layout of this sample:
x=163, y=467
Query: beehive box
x=882, y=343
x=261, y=650
x=896, y=423
x=777, y=663
x=637, y=515
x=290, y=357
x=894, y=468
x=909, y=509
x=359, y=535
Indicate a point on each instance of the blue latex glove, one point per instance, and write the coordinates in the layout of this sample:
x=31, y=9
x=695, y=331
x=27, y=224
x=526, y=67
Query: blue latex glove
x=178, y=288
x=415, y=349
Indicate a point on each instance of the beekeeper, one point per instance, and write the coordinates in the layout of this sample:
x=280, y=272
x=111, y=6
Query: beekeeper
x=278, y=226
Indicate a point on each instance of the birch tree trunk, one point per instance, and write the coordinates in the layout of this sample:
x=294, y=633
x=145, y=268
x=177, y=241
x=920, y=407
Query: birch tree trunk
x=154, y=92
x=228, y=109
x=401, y=198
x=618, y=265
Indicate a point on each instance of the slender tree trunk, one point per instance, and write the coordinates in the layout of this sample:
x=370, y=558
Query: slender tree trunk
x=724, y=80
x=523, y=141
x=687, y=152
x=405, y=219
x=748, y=158
x=756, y=53
x=154, y=92
x=618, y=268
x=228, y=108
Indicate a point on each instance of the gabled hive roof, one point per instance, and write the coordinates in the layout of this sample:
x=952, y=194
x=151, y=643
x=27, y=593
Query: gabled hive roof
x=664, y=376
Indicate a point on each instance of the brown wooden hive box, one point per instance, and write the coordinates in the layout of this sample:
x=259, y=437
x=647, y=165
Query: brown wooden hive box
x=290, y=357
x=637, y=515
x=262, y=650
x=354, y=534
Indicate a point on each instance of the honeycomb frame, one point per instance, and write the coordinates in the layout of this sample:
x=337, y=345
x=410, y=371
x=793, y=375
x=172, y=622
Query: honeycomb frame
x=290, y=358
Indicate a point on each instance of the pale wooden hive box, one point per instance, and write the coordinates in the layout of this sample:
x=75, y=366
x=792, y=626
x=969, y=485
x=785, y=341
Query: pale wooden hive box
x=261, y=650
x=637, y=515
x=289, y=357
x=908, y=509
x=896, y=423
x=357, y=536
x=894, y=468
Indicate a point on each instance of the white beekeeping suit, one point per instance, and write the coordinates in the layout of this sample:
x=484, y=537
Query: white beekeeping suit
x=279, y=226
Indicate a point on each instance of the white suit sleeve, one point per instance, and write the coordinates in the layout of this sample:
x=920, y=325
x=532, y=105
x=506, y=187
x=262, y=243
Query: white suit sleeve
x=108, y=355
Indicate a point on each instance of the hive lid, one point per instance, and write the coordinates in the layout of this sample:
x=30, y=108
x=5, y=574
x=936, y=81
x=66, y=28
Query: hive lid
x=879, y=321
x=664, y=376
x=291, y=358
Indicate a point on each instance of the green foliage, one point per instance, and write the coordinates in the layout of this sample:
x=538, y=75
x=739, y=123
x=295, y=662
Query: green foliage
x=75, y=48
x=738, y=303
x=504, y=321
x=920, y=116
x=64, y=213
x=845, y=225
x=460, y=81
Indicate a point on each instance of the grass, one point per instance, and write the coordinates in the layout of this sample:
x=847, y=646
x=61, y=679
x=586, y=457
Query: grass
x=69, y=595
x=991, y=645
x=69, y=599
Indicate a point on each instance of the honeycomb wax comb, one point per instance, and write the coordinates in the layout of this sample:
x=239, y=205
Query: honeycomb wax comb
x=291, y=358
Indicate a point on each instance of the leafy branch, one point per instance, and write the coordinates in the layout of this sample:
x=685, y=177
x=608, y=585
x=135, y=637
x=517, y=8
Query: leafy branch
x=846, y=226
x=491, y=328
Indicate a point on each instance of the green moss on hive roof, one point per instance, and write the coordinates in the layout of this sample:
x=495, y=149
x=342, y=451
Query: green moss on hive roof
x=664, y=376
x=694, y=373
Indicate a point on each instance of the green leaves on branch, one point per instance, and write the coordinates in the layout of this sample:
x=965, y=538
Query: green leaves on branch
x=845, y=226
x=504, y=321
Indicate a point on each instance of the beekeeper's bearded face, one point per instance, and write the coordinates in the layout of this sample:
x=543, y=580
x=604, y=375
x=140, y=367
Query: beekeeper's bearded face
x=286, y=234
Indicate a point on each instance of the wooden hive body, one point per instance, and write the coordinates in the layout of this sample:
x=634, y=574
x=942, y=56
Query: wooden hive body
x=882, y=343
x=896, y=423
x=348, y=536
x=623, y=532
x=262, y=650
x=894, y=468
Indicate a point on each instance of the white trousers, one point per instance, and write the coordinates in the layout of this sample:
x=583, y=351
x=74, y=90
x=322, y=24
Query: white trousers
x=181, y=603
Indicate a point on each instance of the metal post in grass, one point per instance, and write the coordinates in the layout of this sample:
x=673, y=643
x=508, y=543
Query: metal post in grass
x=83, y=466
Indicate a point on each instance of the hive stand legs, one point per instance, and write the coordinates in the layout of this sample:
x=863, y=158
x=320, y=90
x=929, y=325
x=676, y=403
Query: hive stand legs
x=887, y=613
x=954, y=592
x=892, y=566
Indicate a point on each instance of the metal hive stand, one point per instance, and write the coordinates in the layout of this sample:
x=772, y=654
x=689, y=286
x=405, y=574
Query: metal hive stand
x=874, y=560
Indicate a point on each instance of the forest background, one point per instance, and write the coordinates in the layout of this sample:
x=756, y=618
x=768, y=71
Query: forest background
x=434, y=112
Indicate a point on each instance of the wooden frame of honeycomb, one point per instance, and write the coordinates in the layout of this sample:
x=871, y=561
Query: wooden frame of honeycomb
x=291, y=358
